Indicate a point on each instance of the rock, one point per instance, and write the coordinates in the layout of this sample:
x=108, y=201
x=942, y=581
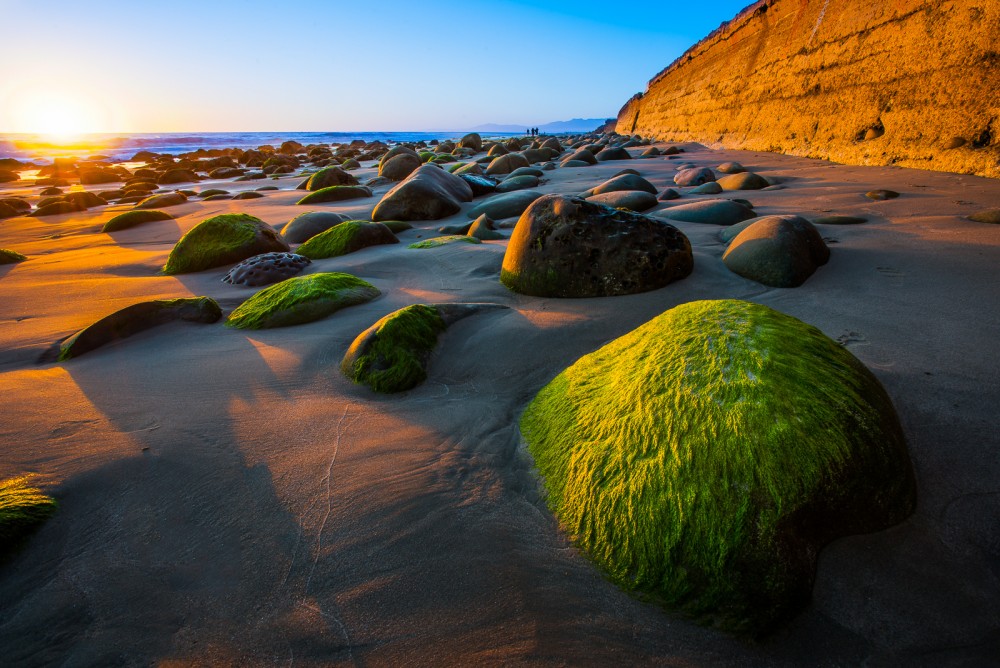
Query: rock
x=84, y=200
x=123, y=221
x=504, y=205
x=650, y=152
x=55, y=209
x=8, y=256
x=991, y=216
x=731, y=168
x=397, y=226
x=443, y=241
x=525, y=171
x=248, y=195
x=330, y=176
x=759, y=441
x=7, y=176
x=347, y=237
x=622, y=182
x=98, y=176
x=430, y=193
x=392, y=355
x=711, y=211
x=266, y=268
x=568, y=247
x=161, y=201
x=881, y=194
x=480, y=185
x=633, y=200
x=613, y=153
x=461, y=228
x=217, y=197
x=137, y=318
x=840, y=220
x=336, y=194
x=505, y=164
x=399, y=166
x=225, y=173
x=177, y=176
x=301, y=299
x=484, y=229
x=552, y=143
x=221, y=240
x=350, y=163
x=695, y=176
x=212, y=191
x=533, y=155
x=497, y=150
x=567, y=164
x=473, y=141
x=710, y=188
x=743, y=181
x=582, y=155
x=778, y=251
x=548, y=166
x=304, y=226
x=12, y=206
x=669, y=194
x=252, y=176
x=24, y=509
x=510, y=184
x=473, y=168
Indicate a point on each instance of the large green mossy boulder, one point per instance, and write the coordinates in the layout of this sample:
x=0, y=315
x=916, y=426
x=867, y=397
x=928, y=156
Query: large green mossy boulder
x=23, y=509
x=336, y=194
x=123, y=221
x=137, y=318
x=302, y=299
x=392, y=355
x=222, y=240
x=330, y=176
x=8, y=256
x=703, y=459
x=347, y=237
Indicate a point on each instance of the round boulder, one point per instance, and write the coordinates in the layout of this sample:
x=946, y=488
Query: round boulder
x=303, y=227
x=429, y=193
x=779, y=251
x=222, y=240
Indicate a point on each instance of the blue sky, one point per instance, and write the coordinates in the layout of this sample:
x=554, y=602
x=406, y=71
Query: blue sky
x=221, y=65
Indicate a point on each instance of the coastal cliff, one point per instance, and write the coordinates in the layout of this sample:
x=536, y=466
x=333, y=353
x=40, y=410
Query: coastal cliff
x=908, y=82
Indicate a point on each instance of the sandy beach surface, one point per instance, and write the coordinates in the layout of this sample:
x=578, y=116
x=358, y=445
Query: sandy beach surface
x=230, y=498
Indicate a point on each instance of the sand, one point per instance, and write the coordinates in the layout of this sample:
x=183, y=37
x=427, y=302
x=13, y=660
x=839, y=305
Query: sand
x=228, y=497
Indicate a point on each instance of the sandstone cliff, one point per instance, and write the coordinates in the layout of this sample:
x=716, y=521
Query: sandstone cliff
x=906, y=82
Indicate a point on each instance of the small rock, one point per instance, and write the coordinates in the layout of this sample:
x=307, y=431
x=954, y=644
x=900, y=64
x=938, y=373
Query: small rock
x=266, y=268
x=879, y=195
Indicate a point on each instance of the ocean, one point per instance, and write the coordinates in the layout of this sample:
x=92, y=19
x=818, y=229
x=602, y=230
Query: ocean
x=122, y=146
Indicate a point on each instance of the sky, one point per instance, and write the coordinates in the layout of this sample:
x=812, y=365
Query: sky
x=314, y=65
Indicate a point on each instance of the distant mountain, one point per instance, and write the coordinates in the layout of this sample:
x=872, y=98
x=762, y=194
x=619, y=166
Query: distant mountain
x=575, y=125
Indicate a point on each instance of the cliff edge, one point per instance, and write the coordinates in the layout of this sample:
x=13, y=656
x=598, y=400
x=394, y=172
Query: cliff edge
x=910, y=82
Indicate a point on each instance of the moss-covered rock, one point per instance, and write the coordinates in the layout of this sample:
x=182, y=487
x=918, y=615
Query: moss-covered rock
x=56, y=209
x=305, y=226
x=162, y=201
x=222, y=240
x=137, y=318
x=123, y=221
x=442, y=241
x=23, y=509
x=336, y=194
x=330, y=176
x=8, y=256
x=704, y=459
x=302, y=299
x=346, y=237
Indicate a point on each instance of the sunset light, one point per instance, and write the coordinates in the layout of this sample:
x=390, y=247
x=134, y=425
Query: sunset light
x=59, y=116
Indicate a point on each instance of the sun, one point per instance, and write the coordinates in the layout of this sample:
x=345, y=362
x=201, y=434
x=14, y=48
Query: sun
x=58, y=115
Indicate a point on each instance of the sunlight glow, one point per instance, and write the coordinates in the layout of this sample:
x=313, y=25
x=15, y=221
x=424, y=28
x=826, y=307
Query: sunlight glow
x=59, y=116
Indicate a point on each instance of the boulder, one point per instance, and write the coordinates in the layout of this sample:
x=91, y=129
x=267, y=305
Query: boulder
x=581, y=155
x=669, y=194
x=705, y=458
x=991, y=216
x=8, y=256
x=505, y=164
x=694, y=176
x=301, y=299
x=303, y=227
x=266, y=268
x=161, y=201
x=505, y=205
x=633, y=200
x=710, y=188
x=731, y=168
x=568, y=247
x=330, y=176
x=13, y=206
x=711, y=211
x=55, y=209
x=7, y=176
x=248, y=195
x=177, y=176
x=484, y=229
x=472, y=141
x=497, y=150
x=613, y=153
x=429, y=193
x=778, y=251
x=399, y=166
x=221, y=240
x=481, y=185
x=23, y=509
x=444, y=241
x=510, y=184
x=879, y=195
x=123, y=221
x=347, y=237
x=137, y=318
x=743, y=181
x=622, y=182
x=336, y=194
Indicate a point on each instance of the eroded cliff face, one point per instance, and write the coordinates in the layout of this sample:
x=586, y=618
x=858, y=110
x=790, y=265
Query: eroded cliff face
x=905, y=82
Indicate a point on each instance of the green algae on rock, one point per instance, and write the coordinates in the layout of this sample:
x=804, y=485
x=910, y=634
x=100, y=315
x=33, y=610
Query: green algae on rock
x=336, y=194
x=704, y=459
x=442, y=241
x=22, y=509
x=8, y=256
x=346, y=237
x=220, y=240
x=137, y=318
x=162, y=200
x=301, y=299
x=123, y=221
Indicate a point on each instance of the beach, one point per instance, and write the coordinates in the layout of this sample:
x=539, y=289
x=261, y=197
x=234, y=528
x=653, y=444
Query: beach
x=229, y=497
